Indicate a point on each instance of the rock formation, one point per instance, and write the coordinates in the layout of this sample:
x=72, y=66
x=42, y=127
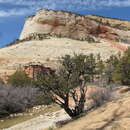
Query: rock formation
x=33, y=69
x=113, y=22
x=65, y=24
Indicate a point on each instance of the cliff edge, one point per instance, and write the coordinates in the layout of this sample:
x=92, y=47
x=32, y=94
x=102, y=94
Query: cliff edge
x=65, y=24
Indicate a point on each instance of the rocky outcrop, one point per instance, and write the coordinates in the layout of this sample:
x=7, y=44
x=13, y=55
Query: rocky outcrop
x=33, y=69
x=112, y=22
x=64, y=24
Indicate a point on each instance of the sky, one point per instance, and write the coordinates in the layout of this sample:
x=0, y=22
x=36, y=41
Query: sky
x=14, y=12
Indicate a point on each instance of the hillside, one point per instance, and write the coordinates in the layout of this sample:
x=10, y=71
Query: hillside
x=48, y=51
x=115, y=115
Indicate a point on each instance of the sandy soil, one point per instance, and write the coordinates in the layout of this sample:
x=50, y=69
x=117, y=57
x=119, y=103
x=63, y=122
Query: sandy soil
x=114, y=115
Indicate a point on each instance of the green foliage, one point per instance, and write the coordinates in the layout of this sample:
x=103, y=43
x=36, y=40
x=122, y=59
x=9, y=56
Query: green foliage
x=100, y=66
x=83, y=65
x=125, y=40
x=19, y=79
x=107, y=23
x=44, y=99
x=110, y=67
x=75, y=72
x=50, y=128
x=122, y=69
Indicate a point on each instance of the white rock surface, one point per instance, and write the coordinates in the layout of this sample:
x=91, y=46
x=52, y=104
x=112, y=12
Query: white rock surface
x=42, y=122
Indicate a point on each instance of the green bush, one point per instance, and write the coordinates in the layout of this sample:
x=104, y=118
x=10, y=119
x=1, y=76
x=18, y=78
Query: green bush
x=19, y=79
x=44, y=99
x=122, y=69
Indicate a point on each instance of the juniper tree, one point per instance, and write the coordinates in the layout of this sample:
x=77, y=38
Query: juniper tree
x=69, y=82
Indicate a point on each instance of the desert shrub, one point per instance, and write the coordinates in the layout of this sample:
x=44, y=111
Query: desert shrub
x=1, y=82
x=50, y=128
x=99, y=96
x=19, y=79
x=16, y=99
x=125, y=40
x=90, y=39
x=43, y=99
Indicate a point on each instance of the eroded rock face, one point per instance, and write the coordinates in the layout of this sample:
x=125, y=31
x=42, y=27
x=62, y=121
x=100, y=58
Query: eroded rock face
x=64, y=24
x=33, y=69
